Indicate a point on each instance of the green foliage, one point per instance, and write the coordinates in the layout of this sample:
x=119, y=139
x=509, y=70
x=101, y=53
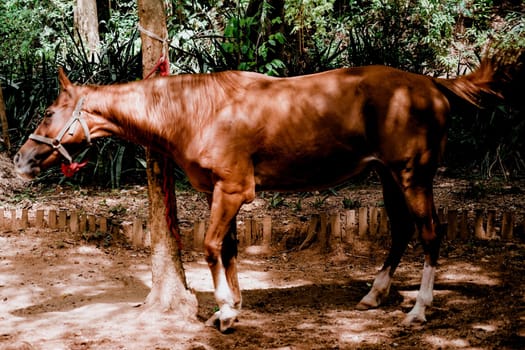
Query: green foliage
x=349, y=203
x=298, y=205
x=32, y=28
x=407, y=34
x=276, y=201
x=208, y=39
x=239, y=51
x=495, y=136
x=309, y=15
x=320, y=201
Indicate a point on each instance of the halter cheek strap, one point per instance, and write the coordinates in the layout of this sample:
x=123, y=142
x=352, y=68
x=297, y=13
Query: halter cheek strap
x=70, y=128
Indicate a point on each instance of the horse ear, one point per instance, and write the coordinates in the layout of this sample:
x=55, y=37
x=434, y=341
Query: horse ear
x=63, y=79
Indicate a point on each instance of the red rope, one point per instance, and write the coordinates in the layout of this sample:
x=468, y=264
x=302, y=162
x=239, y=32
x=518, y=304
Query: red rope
x=170, y=203
x=168, y=183
x=162, y=66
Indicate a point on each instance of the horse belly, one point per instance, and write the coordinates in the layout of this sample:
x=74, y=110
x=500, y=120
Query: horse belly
x=308, y=173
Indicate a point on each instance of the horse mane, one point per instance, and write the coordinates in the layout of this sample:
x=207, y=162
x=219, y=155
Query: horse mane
x=499, y=77
x=206, y=92
x=198, y=95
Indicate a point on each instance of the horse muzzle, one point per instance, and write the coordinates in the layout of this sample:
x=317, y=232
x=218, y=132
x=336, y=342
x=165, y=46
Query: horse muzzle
x=26, y=165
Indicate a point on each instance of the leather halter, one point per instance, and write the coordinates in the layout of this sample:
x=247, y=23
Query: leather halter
x=70, y=128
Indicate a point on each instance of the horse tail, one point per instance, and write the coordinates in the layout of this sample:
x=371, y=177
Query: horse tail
x=500, y=77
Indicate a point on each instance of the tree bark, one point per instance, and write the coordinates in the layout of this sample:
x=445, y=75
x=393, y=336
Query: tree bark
x=86, y=22
x=169, y=291
x=3, y=120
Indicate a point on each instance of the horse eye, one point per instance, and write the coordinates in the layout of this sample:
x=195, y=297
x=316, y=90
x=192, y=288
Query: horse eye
x=48, y=114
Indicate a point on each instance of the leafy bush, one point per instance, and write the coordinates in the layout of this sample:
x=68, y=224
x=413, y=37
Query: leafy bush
x=207, y=39
x=410, y=35
x=490, y=141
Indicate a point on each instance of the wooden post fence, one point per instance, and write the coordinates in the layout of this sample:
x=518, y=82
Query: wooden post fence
x=325, y=229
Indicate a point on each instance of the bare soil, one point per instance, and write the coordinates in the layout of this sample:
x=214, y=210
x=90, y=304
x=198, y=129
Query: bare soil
x=65, y=291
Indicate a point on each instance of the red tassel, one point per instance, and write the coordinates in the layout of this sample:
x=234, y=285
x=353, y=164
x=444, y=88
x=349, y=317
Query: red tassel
x=164, y=67
x=71, y=169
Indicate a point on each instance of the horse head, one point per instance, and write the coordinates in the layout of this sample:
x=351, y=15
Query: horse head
x=63, y=127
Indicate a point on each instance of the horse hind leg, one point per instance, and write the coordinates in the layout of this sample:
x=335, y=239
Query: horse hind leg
x=402, y=229
x=430, y=235
x=409, y=206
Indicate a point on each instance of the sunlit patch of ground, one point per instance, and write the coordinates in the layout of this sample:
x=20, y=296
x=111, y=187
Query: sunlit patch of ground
x=79, y=296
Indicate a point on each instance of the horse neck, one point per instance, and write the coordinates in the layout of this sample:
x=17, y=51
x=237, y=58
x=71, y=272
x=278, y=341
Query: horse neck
x=156, y=113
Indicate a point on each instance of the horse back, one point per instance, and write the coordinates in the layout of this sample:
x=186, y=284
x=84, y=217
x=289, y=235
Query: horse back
x=318, y=130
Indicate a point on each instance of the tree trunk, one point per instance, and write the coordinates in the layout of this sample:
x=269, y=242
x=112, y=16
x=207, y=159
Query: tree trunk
x=169, y=291
x=3, y=120
x=86, y=22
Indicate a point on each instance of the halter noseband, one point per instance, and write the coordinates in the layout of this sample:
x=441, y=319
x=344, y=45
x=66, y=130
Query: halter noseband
x=70, y=127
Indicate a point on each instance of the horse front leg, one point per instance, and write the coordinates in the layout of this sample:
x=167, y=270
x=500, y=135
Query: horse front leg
x=221, y=254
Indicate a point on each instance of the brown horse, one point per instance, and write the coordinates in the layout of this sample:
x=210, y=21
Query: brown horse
x=235, y=133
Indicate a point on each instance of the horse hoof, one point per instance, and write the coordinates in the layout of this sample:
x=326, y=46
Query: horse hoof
x=223, y=319
x=367, y=303
x=213, y=320
x=412, y=320
x=227, y=324
x=363, y=306
x=228, y=316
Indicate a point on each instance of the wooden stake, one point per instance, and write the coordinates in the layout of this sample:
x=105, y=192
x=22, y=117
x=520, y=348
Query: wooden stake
x=82, y=223
x=39, y=218
x=137, y=233
x=103, y=225
x=350, y=226
x=14, y=223
x=73, y=222
x=267, y=231
x=24, y=219
x=92, y=226
x=363, y=221
x=452, y=216
x=463, y=225
x=335, y=224
x=374, y=221
x=507, y=225
x=247, y=241
x=324, y=234
x=312, y=230
x=383, y=223
x=479, y=231
x=52, y=219
x=491, y=229
x=62, y=219
x=441, y=215
x=199, y=231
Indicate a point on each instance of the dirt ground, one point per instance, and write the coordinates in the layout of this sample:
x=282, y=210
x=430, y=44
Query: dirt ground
x=63, y=291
